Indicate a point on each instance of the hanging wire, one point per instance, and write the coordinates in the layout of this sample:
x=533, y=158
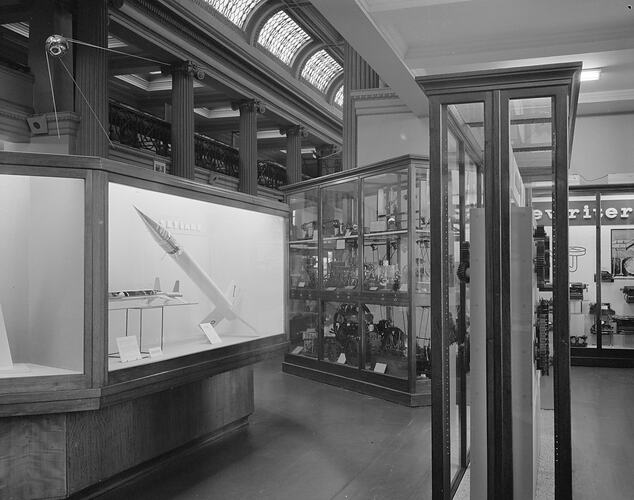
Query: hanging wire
x=50, y=79
x=57, y=46
x=116, y=51
x=86, y=101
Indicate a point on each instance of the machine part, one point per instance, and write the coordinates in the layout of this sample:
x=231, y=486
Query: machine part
x=465, y=259
x=542, y=259
x=542, y=347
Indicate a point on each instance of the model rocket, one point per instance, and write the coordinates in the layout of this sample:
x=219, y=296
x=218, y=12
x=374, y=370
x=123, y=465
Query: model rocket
x=225, y=303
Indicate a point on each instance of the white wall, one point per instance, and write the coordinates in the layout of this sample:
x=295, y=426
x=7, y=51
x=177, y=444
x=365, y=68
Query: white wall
x=386, y=128
x=602, y=145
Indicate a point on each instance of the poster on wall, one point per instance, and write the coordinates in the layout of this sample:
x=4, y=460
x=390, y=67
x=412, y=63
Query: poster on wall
x=622, y=246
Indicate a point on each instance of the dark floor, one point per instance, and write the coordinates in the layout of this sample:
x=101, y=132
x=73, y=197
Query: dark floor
x=311, y=441
x=306, y=441
x=603, y=433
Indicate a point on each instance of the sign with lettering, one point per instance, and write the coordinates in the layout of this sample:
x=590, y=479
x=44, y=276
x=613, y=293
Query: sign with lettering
x=583, y=213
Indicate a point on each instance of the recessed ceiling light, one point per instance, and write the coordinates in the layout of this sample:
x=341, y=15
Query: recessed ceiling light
x=588, y=75
x=155, y=72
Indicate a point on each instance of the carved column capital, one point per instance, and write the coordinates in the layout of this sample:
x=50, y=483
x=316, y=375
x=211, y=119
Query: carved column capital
x=294, y=130
x=188, y=68
x=249, y=106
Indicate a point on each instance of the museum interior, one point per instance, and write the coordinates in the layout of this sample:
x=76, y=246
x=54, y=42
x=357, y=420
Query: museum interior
x=391, y=248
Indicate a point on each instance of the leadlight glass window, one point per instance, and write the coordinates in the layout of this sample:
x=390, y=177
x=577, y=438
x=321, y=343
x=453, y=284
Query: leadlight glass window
x=320, y=69
x=282, y=36
x=339, y=97
x=234, y=10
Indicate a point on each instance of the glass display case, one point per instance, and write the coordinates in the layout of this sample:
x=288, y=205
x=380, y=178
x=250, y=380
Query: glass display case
x=134, y=276
x=41, y=303
x=359, y=280
x=183, y=276
x=601, y=269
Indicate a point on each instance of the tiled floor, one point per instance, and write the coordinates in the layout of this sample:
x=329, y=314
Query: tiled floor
x=310, y=441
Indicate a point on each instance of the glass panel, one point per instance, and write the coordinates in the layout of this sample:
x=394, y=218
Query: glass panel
x=387, y=340
x=582, y=236
x=617, y=257
x=341, y=332
x=338, y=100
x=282, y=37
x=42, y=276
x=219, y=289
x=385, y=222
x=303, y=324
x=422, y=255
x=453, y=259
x=340, y=236
x=303, y=257
x=236, y=11
x=464, y=327
x=530, y=129
x=531, y=132
x=321, y=69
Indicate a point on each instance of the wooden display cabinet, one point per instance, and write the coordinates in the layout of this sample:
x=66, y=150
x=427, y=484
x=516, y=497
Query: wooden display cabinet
x=359, y=280
x=84, y=239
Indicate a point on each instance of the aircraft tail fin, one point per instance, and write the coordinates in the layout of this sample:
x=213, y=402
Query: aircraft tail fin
x=233, y=293
x=157, y=283
x=177, y=286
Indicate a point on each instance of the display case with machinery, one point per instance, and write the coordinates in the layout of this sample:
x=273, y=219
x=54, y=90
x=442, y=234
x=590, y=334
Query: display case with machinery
x=359, y=281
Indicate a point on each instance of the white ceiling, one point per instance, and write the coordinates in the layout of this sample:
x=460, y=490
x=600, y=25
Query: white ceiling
x=402, y=39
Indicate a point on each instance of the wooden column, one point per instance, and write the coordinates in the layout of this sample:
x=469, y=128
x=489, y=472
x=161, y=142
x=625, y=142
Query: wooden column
x=294, y=136
x=357, y=74
x=183, y=118
x=248, y=144
x=91, y=75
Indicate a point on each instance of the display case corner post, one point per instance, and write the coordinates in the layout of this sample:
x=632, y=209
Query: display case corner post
x=439, y=363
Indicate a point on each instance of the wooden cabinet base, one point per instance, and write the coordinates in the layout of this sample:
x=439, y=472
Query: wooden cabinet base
x=53, y=456
x=422, y=396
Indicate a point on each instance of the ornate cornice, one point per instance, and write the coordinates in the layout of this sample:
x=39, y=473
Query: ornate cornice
x=371, y=94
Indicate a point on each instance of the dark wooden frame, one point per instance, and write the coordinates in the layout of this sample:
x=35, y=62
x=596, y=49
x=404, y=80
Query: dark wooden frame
x=495, y=88
x=96, y=387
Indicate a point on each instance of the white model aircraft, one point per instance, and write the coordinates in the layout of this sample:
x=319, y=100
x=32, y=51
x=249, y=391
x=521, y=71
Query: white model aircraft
x=151, y=295
x=225, y=303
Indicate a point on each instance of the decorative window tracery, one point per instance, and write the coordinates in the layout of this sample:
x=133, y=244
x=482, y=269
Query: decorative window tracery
x=282, y=37
x=320, y=70
x=235, y=11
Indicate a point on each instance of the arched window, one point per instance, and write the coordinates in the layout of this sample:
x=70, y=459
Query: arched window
x=320, y=70
x=338, y=100
x=236, y=11
x=282, y=37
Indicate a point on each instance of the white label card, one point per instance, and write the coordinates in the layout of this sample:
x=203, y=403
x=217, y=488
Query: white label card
x=297, y=350
x=341, y=359
x=128, y=348
x=380, y=367
x=155, y=352
x=209, y=330
x=341, y=245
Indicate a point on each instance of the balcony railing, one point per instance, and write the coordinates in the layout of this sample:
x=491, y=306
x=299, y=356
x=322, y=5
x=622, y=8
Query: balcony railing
x=140, y=130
